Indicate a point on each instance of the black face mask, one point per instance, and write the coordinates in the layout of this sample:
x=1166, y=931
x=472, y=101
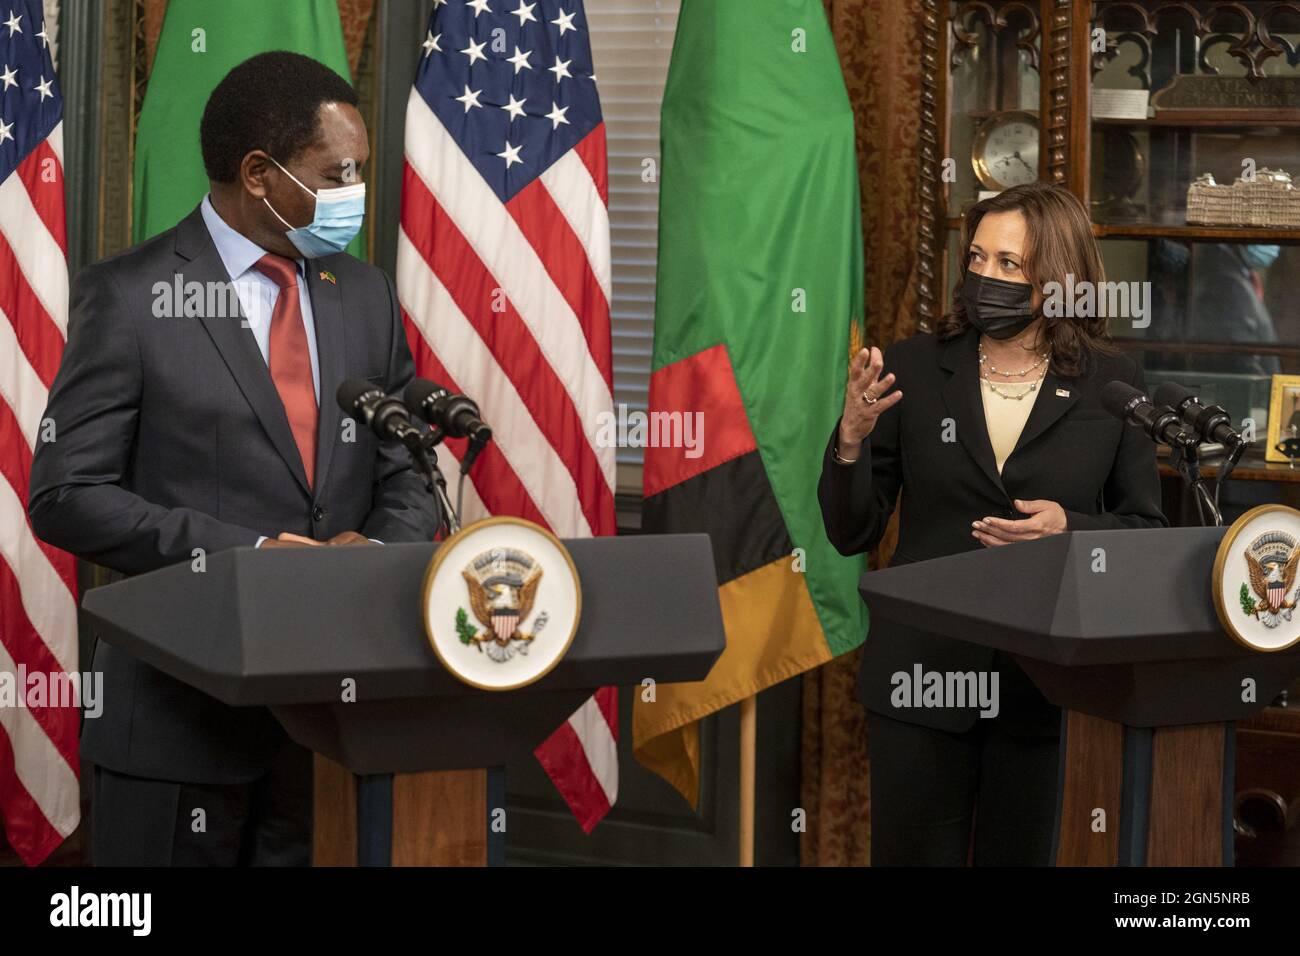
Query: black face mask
x=999, y=309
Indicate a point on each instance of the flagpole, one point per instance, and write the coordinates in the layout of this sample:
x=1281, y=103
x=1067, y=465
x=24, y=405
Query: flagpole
x=748, y=746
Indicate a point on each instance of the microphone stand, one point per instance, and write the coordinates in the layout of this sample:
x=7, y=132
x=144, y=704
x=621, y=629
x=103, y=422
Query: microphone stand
x=421, y=448
x=1185, y=455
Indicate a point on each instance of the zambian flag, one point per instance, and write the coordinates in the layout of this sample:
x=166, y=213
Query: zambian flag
x=758, y=307
x=201, y=42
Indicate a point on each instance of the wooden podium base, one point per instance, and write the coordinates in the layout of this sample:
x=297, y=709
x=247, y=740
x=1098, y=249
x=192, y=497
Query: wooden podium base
x=1138, y=796
x=405, y=819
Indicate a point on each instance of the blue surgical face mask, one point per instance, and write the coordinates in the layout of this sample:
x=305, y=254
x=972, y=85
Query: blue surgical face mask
x=339, y=213
x=1258, y=256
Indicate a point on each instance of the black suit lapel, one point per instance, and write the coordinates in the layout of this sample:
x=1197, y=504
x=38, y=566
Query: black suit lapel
x=1055, y=398
x=961, y=394
x=235, y=341
x=327, y=315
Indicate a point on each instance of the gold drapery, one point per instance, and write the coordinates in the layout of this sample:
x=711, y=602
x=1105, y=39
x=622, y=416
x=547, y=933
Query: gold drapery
x=879, y=44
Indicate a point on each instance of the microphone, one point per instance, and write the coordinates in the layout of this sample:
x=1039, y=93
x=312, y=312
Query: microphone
x=456, y=415
x=1125, y=402
x=1211, y=422
x=384, y=414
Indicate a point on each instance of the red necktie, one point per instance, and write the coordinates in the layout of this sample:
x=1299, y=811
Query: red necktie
x=289, y=359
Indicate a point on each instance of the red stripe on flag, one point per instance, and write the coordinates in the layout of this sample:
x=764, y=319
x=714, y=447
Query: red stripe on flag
x=61, y=724
x=607, y=700
x=16, y=468
x=38, y=336
x=593, y=154
x=26, y=828
x=704, y=382
x=474, y=290
x=494, y=478
x=565, y=762
x=565, y=260
x=46, y=194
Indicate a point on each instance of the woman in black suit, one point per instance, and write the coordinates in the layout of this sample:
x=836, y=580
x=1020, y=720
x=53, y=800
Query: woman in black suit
x=994, y=434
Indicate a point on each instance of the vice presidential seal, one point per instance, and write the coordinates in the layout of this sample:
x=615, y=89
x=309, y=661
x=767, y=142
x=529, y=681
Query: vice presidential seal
x=501, y=603
x=1255, y=590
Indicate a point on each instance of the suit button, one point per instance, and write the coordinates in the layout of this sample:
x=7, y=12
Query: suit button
x=318, y=513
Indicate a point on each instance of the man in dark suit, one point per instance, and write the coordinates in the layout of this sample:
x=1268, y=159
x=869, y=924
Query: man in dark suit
x=179, y=433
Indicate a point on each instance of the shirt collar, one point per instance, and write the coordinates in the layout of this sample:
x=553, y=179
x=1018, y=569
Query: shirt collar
x=238, y=252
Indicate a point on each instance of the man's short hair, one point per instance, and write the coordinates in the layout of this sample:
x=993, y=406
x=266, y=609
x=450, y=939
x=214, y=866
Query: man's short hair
x=270, y=102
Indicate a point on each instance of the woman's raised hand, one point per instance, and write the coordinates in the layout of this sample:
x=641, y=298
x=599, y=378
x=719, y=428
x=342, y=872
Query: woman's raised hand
x=864, y=400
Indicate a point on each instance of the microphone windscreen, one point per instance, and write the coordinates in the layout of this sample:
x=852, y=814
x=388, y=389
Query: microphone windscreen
x=1116, y=396
x=417, y=393
x=350, y=391
x=1173, y=394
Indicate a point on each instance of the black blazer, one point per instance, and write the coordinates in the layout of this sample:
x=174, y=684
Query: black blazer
x=171, y=437
x=1071, y=451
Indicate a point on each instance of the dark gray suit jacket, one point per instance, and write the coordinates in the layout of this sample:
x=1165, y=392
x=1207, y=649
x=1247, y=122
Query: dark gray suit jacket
x=171, y=437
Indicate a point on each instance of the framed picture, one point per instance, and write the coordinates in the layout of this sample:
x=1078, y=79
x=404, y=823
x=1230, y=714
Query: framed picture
x=1283, y=415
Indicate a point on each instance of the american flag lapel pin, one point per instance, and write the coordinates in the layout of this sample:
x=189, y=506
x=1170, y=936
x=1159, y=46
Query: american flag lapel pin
x=327, y=276
x=1062, y=393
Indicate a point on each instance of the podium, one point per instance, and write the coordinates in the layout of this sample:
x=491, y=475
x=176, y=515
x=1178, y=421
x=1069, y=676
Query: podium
x=296, y=629
x=1118, y=628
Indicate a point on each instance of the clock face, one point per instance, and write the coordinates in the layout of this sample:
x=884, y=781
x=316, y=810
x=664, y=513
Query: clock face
x=1006, y=151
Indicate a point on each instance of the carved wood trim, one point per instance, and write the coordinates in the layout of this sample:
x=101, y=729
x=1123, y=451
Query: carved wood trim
x=996, y=19
x=1055, y=121
x=933, y=193
x=1253, y=44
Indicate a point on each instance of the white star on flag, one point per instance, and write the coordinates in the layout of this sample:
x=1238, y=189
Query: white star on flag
x=470, y=98
x=45, y=40
x=556, y=115
x=43, y=88
x=520, y=60
x=565, y=22
x=13, y=23
x=9, y=77
x=561, y=70
x=524, y=12
x=479, y=6
x=515, y=107
x=4, y=131
x=511, y=154
x=475, y=52
x=431, y=43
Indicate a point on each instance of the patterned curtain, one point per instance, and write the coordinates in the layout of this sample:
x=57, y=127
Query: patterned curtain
x=879, y=43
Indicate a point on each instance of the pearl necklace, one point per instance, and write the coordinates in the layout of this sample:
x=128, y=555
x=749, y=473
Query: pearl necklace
x=994, y=371
x=1018, y=396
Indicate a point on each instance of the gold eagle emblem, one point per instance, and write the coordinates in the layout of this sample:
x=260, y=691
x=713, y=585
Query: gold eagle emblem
x=1271, y=562
x=502, y=586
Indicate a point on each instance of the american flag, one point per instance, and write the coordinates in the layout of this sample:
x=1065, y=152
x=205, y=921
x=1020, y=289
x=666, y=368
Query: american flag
x=503, y=272
x=39, y=792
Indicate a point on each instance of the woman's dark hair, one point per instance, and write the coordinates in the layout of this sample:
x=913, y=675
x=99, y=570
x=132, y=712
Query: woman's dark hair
x=1058, y=242
x=270, y=102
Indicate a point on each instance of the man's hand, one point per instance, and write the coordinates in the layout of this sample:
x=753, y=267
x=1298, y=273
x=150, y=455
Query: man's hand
x=349, y=537
x=287, y=540
x=1045, y=518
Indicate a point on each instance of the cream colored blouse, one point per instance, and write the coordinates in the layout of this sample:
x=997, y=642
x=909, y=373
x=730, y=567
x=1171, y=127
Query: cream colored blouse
x=1006, y=418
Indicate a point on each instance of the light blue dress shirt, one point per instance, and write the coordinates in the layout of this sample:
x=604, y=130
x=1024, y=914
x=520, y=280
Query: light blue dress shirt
x=257, y=292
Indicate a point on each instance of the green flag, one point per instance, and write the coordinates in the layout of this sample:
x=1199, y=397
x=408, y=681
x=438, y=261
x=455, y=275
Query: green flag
x=758, y=299
x=201, y=41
